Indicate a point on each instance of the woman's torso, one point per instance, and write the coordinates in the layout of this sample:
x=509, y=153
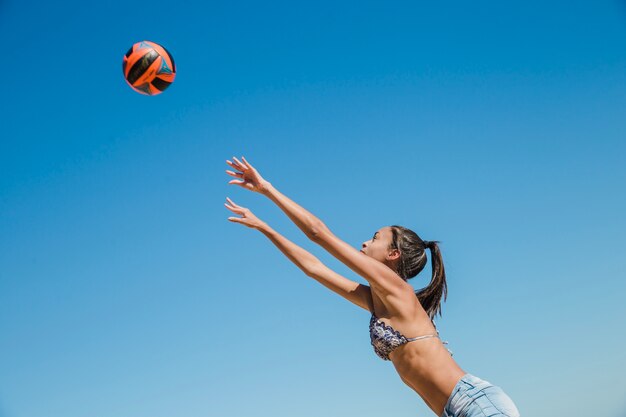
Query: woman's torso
x=424, y=365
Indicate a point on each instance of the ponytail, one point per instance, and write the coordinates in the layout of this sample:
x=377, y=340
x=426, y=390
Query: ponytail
x=412, y=261
x=430, y=296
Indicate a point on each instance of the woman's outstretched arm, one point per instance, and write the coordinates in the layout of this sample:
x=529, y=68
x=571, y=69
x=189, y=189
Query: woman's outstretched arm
x=380, y=276
x=352, y=291
x=250, y=179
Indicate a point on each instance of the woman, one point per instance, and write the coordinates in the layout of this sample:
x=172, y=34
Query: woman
x=401, y=327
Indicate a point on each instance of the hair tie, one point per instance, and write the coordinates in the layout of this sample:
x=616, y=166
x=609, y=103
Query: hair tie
x=426, y=243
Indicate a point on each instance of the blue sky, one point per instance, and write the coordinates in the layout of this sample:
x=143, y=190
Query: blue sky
x=495, y=128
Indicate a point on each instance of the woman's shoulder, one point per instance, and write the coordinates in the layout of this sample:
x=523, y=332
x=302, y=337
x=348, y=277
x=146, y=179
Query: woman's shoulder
x=403, y=305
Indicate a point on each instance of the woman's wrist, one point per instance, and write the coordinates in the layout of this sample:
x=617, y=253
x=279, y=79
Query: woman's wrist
x=266, y=188
x=264, y=228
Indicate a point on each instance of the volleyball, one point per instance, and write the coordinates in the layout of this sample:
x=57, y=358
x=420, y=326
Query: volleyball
x=148, y=68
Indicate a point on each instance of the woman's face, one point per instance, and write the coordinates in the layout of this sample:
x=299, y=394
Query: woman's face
x=378, y=246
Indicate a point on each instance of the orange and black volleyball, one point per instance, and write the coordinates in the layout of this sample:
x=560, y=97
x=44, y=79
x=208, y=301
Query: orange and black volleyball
x=149, y=68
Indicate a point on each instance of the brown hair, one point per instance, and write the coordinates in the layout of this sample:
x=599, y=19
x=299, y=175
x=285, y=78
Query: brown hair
x=413, y=259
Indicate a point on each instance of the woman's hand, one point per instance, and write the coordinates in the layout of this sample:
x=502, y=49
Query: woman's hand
x=247, y=218
x=248, y=178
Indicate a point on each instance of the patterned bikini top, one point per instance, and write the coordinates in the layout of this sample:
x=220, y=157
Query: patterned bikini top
x=385, y=338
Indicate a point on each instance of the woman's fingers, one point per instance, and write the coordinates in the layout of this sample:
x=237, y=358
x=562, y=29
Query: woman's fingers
x=239, y=175
x=248, y=178
x=246, y=162
x=232, y=203
x=235, y=165
x=234, y=210
x=240, y=165
x=244, y=166
x=243, y=183
x=238, y=182
x=238, y=208
x=247, y=218
x=234, y=207
x=234, y=174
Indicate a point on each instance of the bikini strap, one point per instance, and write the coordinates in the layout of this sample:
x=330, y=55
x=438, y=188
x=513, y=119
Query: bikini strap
x=412, y=339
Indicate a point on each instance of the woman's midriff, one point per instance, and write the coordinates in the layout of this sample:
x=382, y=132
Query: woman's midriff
x=427, y=367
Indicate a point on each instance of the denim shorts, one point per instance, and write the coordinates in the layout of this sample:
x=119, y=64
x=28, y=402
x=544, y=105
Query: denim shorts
x=473, y=397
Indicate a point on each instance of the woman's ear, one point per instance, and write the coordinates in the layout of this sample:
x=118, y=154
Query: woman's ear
x=393, y=254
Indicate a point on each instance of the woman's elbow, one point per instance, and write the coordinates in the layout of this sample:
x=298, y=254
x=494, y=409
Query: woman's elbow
x=317, y=231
